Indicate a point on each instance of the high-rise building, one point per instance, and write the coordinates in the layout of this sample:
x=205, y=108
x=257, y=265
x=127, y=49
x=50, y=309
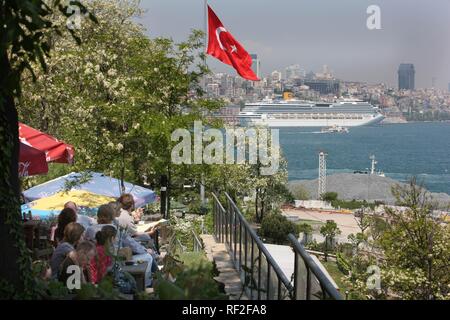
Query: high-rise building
x=449, y=87
x=324, y=86
x=256, y=64
x=406, y=74
x=275, y=76
x=294, y=72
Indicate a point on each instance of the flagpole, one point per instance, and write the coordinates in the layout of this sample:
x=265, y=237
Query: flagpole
x=205, y=25
x=205, y=44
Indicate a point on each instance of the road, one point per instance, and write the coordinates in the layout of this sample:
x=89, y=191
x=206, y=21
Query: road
x=346, y=222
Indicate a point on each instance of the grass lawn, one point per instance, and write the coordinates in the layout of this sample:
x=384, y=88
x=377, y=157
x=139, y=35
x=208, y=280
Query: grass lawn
x=312, y=223
x=336, y=274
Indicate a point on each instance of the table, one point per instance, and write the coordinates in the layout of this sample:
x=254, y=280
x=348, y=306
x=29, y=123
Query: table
x=138, y=273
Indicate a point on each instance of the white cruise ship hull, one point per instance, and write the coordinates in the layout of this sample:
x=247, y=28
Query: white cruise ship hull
x=311, y=122
x=300, y=114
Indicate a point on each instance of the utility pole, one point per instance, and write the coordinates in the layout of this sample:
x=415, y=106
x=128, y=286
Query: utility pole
x=322, y=174
x=163, y=183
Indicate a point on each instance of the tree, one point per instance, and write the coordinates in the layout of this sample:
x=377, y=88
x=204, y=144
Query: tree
x=300, y=192
x=124, y=94
x=22, y=44
x=269, y=189
x=329, y=230
x=415, y=247
x=307, y=231
x=362, y=220
x=330, y=196
x=276, y=227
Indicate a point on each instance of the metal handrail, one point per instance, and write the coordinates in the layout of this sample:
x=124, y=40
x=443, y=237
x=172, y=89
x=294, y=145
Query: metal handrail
x=221, y=234
x=311, y=266
x=262, y=247
x=197, y=244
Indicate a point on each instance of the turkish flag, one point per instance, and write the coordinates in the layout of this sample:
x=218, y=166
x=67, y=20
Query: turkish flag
x=223, y=46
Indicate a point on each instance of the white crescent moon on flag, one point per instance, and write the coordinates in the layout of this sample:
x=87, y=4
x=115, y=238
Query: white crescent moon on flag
x=218, y=31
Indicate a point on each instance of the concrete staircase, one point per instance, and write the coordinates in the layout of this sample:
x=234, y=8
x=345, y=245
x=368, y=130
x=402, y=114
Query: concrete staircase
x=217, y=253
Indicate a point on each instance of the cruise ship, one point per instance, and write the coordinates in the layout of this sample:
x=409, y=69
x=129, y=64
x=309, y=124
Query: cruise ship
x=296, y=113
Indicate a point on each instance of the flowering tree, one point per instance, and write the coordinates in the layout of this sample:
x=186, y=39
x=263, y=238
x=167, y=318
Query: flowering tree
x=416, y=247
x=23, y=46
x=123, y=94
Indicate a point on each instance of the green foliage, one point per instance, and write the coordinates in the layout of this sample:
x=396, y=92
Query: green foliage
x=305, y=228
x=24, y=45
x=415, y=247
x=69, y=184
x=330, y=230
x=357, y=239
x=103, y=291
x=209, y=222
x=330, y=196
x=194, y=280
x=183, y=228
x=343, y=265
x=299, y=192
x=352, y=204
x=276, y=227
x=123, y=95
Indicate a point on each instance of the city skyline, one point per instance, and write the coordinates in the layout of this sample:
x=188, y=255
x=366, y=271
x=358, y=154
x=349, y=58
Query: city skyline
x=313, y=34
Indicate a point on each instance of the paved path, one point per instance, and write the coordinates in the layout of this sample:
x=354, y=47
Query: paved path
x=284, y=256
x=217, y=252
x=346, y=222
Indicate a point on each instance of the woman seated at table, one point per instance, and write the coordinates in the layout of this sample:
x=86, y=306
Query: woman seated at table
x=66, y=216
x=84, y=220
x=73, y=233
x=80, y=257
x=102, y=261
x=129, y=217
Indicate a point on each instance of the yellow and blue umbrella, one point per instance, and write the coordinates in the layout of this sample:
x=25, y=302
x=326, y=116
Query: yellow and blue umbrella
x=49, y=198
x=51, y=206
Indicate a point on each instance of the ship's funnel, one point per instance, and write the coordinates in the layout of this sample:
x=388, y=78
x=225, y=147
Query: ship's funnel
x=288, y=95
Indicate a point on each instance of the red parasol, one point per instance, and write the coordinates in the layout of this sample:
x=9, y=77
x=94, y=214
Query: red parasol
x=55, y=150
x=31, y=161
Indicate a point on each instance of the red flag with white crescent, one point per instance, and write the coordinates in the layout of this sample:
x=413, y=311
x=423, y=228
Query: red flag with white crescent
x=223, y=46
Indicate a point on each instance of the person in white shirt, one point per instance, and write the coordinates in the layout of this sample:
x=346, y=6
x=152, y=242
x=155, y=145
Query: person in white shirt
x=129, y=217
x=84, y=220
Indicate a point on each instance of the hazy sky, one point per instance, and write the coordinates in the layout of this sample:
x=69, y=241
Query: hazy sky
x=312, y=33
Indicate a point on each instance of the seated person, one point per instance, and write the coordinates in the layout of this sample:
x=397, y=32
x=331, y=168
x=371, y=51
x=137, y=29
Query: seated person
x=84, y=220
x=129, y=217
x=73, y=233
x=80, y=257
x=105, y=216
x=65, y=217
x=100, y=264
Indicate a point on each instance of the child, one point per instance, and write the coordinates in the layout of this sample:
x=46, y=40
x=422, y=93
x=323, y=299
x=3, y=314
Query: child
x=102, y=261
x=79, y=257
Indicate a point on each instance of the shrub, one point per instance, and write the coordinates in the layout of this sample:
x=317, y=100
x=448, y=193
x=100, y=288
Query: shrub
x=329, y=196
x=299, y=192
x=194, y=280
x=342, y=263
x=275, y=228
